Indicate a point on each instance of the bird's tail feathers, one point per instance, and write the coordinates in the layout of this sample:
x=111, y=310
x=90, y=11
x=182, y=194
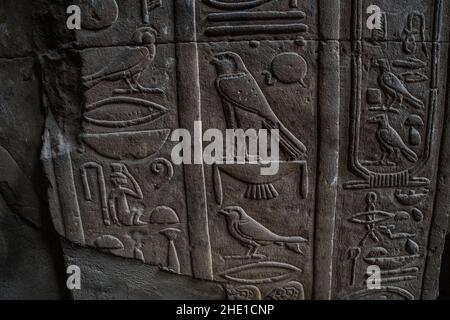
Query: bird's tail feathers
x=91, y=81
x=265, y=191
x=416, y=103
x=293, y=147
x=295, y=247
x=409, y=154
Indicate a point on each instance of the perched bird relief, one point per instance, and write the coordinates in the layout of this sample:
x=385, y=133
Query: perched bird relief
x=252, y=234
x=245, y=105
x=394, y=88
x=127, y=64
x=390, y=141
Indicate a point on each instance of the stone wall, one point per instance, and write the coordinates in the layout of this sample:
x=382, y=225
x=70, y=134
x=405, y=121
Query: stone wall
x=88, y=178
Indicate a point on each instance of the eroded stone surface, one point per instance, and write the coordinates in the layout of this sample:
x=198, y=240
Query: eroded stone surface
x=107, y=278
x=16, y=39
x=28, y=260
x=387, y=199
x=21, y=125
x=282, y=203
x=364, y=143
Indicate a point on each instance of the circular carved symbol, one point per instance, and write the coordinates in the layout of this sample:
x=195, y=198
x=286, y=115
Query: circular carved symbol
x=289, y=68
x=98, y=14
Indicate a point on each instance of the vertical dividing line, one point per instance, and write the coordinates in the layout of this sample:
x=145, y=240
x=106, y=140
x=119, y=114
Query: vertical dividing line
x=67, y=194
x=189, y=111
x=144, y=8
x=440, y=219
x=328, y=146
x=356, y=65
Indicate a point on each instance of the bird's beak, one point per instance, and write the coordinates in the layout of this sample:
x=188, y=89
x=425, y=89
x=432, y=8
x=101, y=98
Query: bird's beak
x=223, y=212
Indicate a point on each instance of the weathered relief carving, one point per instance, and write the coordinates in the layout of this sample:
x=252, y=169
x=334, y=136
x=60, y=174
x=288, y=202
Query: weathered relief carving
x=394, y=125
x=113, y=162
x=253, y=235
x=116, y=23
x=263, y=74
x=240, y=92
x=254, y=19
x=287, y=68
x=360, y=124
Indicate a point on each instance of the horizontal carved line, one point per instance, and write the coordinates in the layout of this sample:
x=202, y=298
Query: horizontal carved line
x=255, y=29
x=258, y=15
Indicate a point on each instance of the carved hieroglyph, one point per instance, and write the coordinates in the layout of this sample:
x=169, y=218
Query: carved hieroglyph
x=359, y=142
x=387, y=198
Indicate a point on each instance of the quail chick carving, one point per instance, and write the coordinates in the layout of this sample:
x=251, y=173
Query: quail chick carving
x=242, y=96
x=393, y=87
x=127, y=64
x=390, y=140
x=253, y=235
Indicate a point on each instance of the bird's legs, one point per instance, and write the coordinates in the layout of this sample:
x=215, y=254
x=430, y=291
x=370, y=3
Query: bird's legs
x=390, y=104
x=384, y=161
x=252, y=253
x=390, y=101
x=400, y=101
x=149, y=90
x=398, y=154
x=383, y=158
x=135, y=87
x=143, y=89
x=131, y=88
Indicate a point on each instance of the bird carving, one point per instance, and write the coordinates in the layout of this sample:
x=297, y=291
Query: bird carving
x=127, y=64
x=252, y=234
x=390, y=140
x=393, y=87
x=245, y=105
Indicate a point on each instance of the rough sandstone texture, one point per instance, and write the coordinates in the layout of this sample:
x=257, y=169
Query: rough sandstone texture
x=364, y=142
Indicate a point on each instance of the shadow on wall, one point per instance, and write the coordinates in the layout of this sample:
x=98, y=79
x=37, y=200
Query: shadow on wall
x=30, y=260
x=444, y=282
